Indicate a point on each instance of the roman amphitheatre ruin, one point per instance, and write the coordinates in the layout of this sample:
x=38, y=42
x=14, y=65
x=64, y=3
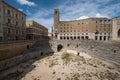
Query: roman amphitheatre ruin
x=65, y=60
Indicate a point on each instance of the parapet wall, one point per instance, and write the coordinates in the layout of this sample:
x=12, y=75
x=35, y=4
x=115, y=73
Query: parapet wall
x=9, y=50
x=18, y=59
x=36, y=51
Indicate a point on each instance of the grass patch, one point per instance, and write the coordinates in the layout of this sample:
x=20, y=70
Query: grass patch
x=66, y=57
x=53, y=63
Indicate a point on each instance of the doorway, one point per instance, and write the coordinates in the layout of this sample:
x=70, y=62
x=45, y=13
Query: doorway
x=59, y=47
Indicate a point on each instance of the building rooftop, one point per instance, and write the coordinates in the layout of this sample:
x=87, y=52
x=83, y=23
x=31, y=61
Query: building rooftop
x=84, y=19
x=35, y=22
x=13, y=7
x=116, y=17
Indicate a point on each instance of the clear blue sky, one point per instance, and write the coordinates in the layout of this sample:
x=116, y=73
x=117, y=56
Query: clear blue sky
x=42, y=10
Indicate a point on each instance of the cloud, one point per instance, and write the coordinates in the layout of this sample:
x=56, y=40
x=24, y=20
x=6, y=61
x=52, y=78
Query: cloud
x=28, y=12
x=82, y=17
x=99, y=15
x=112, y=10
x=42, y=17
x=48, y=23
x=20, y=9
x=26, y=2
x=76, y=9
x=72, y=10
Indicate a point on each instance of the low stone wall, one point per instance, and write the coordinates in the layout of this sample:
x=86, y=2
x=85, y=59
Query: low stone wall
x=19, y=59
x=40, y=48
x=72, y=51
x=13, y=49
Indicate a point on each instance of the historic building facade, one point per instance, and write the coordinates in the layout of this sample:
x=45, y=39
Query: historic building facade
x=35, y=30
x=116, y=28
x=1, y=20
x=12, y=23
x=90, y=28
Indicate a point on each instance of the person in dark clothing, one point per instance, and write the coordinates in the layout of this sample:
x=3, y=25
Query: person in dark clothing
x=41, y=53
x=78, y=53
x=28, y=47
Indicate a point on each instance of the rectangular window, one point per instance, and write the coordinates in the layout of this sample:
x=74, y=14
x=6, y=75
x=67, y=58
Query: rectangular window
x=8, y=12
x=9, y=21
x=16, y=23
x=22, y=18
x=22, y=25
x=16, y=15
x=17, y=32
x=8, y=30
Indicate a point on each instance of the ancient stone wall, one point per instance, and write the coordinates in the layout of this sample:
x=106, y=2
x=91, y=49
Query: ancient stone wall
x=18, y=59
x=38, y=50
x=116, y=29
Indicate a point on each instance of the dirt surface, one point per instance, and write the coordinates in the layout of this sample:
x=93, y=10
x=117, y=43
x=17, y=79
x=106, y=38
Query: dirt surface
x=65, y=66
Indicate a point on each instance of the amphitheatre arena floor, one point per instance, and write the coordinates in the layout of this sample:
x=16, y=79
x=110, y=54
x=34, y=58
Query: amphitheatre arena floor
x=96, y=61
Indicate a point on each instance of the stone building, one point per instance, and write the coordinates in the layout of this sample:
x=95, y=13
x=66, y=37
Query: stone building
x=12, y=26
x=116, y=28
x=1, y=20
x=90, y=28
x=35, y=30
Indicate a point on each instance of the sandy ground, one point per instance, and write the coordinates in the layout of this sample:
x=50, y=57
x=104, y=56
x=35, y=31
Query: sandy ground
x=82, y=67
x=57, y=67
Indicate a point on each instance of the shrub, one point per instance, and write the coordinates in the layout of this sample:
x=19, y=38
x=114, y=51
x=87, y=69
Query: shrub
x=66, y=57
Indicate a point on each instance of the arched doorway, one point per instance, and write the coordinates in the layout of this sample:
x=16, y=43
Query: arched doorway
x=59, y=47
x=16, y=37
x=86, y=37
x=104, y=37
x=82, y=37
x=119, y=33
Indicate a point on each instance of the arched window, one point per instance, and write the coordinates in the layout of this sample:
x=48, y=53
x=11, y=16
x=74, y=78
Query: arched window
x=119, y=33
x=55, y=12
